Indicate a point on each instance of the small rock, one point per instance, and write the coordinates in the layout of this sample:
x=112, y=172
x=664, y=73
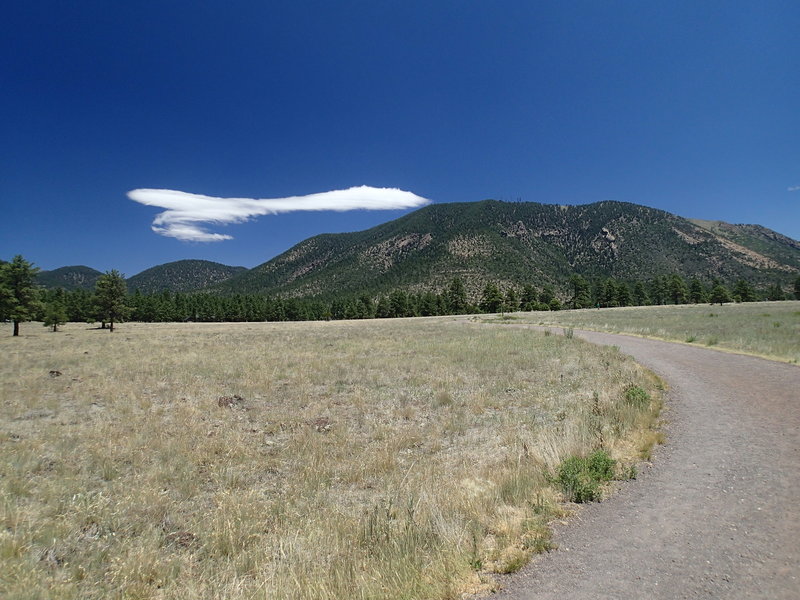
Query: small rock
x=321, y=424
x=229, y=401
x=55, y=373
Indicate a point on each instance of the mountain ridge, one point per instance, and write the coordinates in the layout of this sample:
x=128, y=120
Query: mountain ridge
x=511, y=244
x=518, y=243
x=182, y=276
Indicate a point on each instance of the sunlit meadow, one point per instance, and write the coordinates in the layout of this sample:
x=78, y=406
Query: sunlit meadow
x=375, y=459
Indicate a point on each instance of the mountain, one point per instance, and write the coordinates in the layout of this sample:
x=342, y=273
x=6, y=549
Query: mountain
x=69, y=278
x=182, y=276
x=520, y=243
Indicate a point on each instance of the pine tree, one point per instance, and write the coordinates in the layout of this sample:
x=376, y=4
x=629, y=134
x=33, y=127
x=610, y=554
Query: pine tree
x=528, y=298
x=697, y=294
x=399, y=305
x=719, y=294
x=678, y=292
x=624, y=297
x=55, y=314
x=366, y=308
x=383, y=309
x=492, y=299
x=110, y=295
x=457, y=297
x=743, y=291
x=511, y=303
x=658, y=290
x=548, y=294
x=19, y=298
x=640, y=296
x=775, y=292
x=428, y=306
x=580, y=292
x=608, y=296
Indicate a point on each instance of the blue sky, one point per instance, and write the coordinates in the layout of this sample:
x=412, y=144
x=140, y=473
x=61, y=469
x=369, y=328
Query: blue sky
x=691, y=107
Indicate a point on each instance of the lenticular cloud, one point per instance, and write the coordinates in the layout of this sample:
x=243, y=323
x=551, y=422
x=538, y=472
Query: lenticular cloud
x=186, y=213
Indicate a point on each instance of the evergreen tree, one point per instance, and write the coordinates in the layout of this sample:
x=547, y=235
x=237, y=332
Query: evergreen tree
x=697, y=294
x=511, y=303
x=580, y=292
x=598, y=293
x=775, y=292
x=110, y=296
x=678, y=292
x=457, y=297
x=719, y=294
x=366, y=309
x=295, y=311
x=743, y=291
x=658, y=290
x=428, y=305
x=624, y=297
x=492, y=299
x=528, y=298
x=608, y=296
x=383, y=310
x=640, y=296
x=19, y=298
x=55, y=314
x=797, y=287
x=548, y=294
x=399, y=305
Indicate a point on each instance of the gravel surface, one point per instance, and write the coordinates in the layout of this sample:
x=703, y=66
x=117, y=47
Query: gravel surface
x=716, y=515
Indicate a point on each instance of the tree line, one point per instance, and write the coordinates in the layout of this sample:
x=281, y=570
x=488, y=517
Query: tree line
x=109, y=303
x=668, y=289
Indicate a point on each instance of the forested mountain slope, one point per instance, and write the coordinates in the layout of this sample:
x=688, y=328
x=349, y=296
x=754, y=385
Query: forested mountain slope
x=520, y=243
x=69, y=278
x=182, y=276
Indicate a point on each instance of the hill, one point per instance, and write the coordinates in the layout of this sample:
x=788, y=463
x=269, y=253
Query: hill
x=520, y=243
x=182, y=276
x=69, y=278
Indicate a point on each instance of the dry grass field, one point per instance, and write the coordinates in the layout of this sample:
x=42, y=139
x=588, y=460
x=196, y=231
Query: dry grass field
x=376, y=459
x=769, y=329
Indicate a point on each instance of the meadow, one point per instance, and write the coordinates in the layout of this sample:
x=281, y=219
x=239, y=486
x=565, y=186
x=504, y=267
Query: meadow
x=768, y=329
x=408, y=458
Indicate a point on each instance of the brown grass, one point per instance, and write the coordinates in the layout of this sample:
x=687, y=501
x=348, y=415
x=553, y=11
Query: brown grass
x=380, y=459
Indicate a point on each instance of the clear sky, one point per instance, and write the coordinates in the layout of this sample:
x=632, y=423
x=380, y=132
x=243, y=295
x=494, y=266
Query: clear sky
x=691, y=107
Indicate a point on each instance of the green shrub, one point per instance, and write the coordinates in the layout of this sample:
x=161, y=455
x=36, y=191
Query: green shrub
x=637, y=396
x=601, y=466
x=580, y=477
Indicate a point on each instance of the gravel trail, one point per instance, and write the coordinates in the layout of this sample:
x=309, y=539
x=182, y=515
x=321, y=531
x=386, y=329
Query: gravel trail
x=717, y=515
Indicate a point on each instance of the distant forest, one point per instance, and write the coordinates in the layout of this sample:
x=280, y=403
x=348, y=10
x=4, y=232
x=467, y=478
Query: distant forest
x=80, y=305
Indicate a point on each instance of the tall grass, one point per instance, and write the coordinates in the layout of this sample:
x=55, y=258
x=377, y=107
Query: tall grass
x=770, y=329
x=381, y=459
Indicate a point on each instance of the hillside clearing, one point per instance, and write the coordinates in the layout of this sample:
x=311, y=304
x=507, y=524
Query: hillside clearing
x=371, y=459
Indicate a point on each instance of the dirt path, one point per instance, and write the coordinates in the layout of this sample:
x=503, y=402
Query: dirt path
x=717, y=515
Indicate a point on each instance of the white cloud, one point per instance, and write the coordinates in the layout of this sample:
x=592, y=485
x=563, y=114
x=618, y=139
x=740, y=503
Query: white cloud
x=186, y=213
x=794, y=188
